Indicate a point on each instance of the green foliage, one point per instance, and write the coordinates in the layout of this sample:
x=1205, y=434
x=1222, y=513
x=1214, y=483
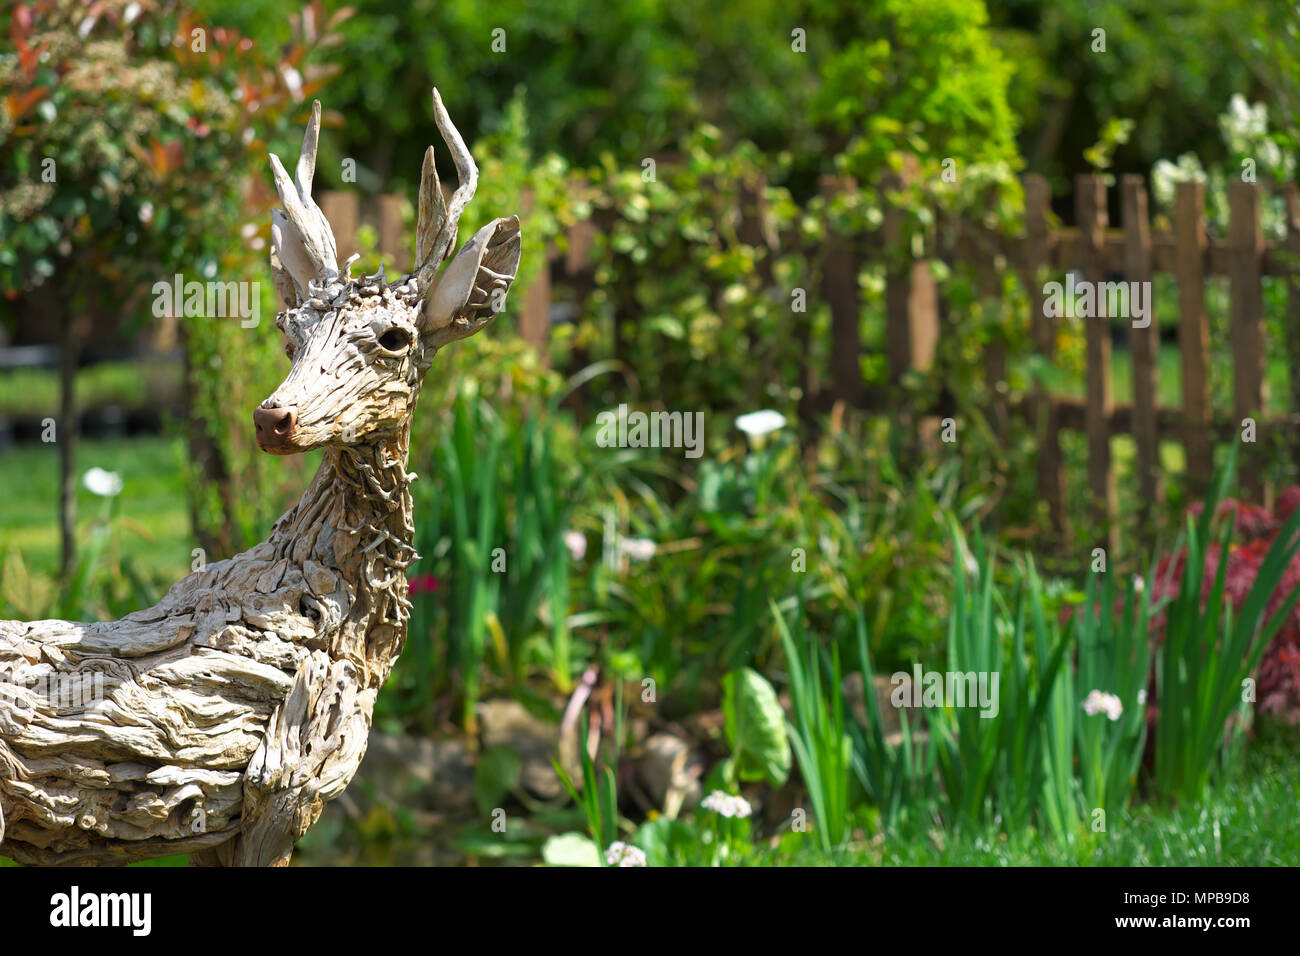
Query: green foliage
x=492, y=513
x=928, y=81
x=755, y=728
x=1267, y=36
x=1167, y=67
x=898, y=777
x=670, y=843
x=1114, y=133
x=630, y=80
x=94, y=137
x=1112, y=637
x=1014, y=758
x=676, y=286
x=1209, y=652
x=817, y=731
x=599, y=796
x=510, y=471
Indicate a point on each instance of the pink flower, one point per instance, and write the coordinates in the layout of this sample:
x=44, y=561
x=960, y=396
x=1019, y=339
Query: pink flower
x=576, y=542
x=421, y=584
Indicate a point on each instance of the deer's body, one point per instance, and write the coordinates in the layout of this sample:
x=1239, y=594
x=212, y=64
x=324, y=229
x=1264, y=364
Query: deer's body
x=220, y=721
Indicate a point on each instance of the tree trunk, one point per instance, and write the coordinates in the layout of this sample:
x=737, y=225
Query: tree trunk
x=69, y=352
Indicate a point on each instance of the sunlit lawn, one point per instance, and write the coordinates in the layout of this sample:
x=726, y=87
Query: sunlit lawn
x=156, y=523
x=1169, y=377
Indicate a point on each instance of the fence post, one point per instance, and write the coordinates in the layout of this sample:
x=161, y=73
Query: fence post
x=1193, y=332
x=1145, y=345
x=390, y=235
x=341, y=211
x=1037, y=255
x=582, y=237
x=840, y=286
x=1246, y=243
x=535, y=316
x=1090, y=204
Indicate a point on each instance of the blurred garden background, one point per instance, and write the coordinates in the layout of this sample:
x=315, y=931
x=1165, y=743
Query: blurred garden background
x=827, y=227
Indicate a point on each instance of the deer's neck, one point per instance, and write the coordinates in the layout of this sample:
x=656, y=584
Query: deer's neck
x=356, y=520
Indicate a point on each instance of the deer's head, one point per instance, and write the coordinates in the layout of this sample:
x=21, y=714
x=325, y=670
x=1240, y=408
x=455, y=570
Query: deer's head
x=360, y=346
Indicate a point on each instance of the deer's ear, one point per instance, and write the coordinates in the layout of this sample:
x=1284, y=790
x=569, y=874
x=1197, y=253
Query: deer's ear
x=472, y=289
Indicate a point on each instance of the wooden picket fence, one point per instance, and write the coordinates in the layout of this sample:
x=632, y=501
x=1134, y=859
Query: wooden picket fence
x=914, y=318
x=1134, y=253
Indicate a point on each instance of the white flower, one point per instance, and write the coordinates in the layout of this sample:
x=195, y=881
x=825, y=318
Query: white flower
x=760, y=423
x=1139, y=584
x=637, y=549
x=1142, y=697
x=624, y=854
x=1166, y=175
x=106, y=484
x=1100, y=702
x=726, y=804
x=576, y=542
x=1270, y=154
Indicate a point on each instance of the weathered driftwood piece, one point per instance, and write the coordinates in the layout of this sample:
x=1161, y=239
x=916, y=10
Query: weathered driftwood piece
x=219, y=722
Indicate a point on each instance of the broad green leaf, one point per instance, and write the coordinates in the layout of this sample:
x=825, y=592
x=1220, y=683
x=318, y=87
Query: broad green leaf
x=755, y=727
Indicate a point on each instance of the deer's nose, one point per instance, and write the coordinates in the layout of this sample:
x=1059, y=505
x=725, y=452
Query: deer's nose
x=273, y=425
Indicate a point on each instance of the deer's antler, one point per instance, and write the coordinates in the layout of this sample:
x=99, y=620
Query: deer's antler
x=302, y=242
x=436, y=233
x=463, y=297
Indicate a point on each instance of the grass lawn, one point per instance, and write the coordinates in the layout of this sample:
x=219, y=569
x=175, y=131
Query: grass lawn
x=1169, y=380
x=1249, y=820
x=34, y=392
x=156, y=533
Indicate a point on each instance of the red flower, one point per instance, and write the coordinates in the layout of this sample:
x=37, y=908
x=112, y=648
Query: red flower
x=421, y=584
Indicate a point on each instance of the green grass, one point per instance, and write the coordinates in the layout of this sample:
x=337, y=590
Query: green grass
x=156, y=535
x=34, y=392
x=1248, y=820
x=1169, y=380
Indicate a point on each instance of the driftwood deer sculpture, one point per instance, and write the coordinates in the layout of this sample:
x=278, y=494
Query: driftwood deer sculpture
x=226, y=716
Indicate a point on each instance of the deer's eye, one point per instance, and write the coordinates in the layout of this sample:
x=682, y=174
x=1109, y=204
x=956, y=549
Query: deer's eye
x=395, y=340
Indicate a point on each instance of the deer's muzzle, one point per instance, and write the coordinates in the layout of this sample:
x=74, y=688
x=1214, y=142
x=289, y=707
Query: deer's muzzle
x=274, y=426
